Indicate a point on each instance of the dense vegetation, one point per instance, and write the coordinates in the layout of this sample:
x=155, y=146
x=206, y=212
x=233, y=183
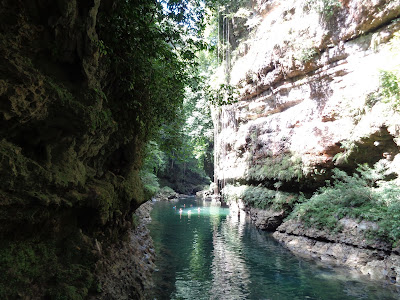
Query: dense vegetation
x=180, y=154
x=364, y=195
x=260, y=197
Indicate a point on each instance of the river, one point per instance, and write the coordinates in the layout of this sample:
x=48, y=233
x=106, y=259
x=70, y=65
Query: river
x=209, y=254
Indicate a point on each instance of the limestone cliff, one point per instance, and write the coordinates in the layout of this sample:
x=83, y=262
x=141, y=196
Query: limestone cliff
x=307, y=87
x=311, y=77
x=69, y=160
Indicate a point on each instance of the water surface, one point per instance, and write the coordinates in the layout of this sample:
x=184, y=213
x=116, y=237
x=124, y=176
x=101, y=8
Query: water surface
x=204, y=252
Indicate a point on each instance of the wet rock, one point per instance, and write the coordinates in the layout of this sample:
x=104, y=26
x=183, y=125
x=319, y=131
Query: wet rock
x=125, y=273
x=349, y=247
x=266, y=219
x=351, y=233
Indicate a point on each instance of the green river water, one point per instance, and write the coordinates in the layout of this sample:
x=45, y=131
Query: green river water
x=210, y=254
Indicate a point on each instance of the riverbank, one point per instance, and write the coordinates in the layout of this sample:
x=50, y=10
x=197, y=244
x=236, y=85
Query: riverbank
x=348, y=248
x=126, y=270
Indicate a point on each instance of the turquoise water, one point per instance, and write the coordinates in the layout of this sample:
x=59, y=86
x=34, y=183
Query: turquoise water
x=210, y=254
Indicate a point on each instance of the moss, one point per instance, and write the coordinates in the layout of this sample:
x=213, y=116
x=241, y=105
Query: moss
x=20, y=263
x=260, y=197
x=133, y=187
x=28, y=264
x=18, y=171
x=104, y=199
x=361, y=196
x=305, y=55
x=284, y=167
x=150, y=182
x=61, y=186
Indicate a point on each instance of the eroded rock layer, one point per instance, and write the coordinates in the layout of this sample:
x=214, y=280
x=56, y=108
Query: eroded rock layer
x=297, y=111
x=313, y=97
x=372, y=257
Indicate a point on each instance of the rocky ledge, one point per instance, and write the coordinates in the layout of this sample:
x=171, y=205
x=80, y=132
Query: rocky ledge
x=266, y=219
x=347, y=247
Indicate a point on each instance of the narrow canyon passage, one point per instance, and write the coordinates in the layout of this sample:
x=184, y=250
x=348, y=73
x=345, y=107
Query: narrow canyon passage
x=288, y=110
x=208, y=252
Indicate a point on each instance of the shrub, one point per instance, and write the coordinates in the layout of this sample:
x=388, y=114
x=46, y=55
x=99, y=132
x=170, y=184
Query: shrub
x=166, y=193
x=306, y=54
x=325, y=7
x=259, y=197
x=362, y=196
x=285, y=167
x=389, y=85
x=150, y=183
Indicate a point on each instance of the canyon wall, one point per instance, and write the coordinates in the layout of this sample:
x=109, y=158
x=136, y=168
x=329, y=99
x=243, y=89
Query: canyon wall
x=315, y=95
x=69, y=159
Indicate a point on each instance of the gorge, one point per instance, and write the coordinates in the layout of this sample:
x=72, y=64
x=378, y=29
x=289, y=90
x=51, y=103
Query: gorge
x=291, y=108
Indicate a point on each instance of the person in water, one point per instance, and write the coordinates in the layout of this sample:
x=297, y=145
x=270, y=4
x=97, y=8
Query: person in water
x=180, y=210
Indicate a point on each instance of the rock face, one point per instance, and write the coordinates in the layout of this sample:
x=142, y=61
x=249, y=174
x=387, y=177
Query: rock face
x=69, y=164
x=309, y=87
x=126, y=271
x=312, y=98
x=266, y=219
x=349, y=247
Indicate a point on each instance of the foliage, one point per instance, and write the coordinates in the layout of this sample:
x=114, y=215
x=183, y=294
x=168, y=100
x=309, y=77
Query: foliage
x=225, y=94
x=307, y=54
x=155, y=159
x=150, y=183
x=149, y=46
x=199, y=126
x=147, y=53
x=390, y=88
x=259, y=197
x=284, y=167
x=348, y=148
x=325, y=7
x=362, y=196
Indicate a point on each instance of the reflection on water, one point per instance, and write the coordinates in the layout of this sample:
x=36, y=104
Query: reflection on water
x=205, y=253
x=231, y=277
